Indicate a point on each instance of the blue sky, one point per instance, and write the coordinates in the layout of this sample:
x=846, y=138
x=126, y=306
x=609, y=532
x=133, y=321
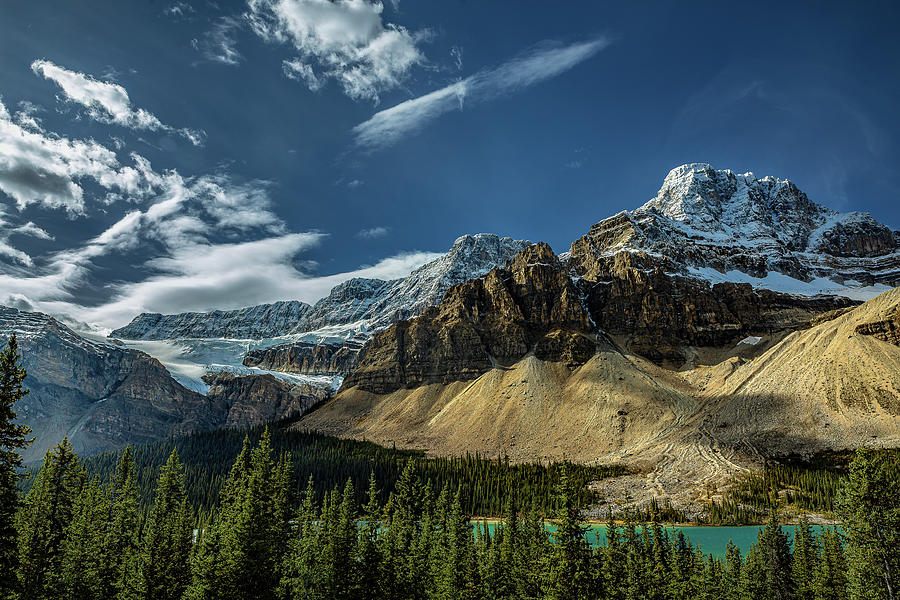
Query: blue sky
x=191, y=155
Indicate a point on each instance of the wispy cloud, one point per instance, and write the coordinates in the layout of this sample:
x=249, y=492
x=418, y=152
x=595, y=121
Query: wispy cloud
x=373, y=233
x=218, y=44
x=345, y=41
x=180, y=10
x=543, y=62
x=107, y=102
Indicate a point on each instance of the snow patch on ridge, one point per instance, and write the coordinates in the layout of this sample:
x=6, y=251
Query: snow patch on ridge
x=778, y=282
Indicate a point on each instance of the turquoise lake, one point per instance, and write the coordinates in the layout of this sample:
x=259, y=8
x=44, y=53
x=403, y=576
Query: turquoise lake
x=712, y=540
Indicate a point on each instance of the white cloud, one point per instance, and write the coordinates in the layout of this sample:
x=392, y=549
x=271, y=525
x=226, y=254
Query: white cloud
x=106, y=102
x=373, y=233
x=204, y=242
x=180, y=10
x=539, y=64
x=299, y=71
x=342, y=40
x=218, y=44
x=43, y=168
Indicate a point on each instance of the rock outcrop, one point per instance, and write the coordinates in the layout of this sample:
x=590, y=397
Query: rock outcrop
x=663, y=316
x=254, y=322
x=704, y=220
x=100, y=395
x=257, y=399
x=529, y=306
x=306, y=358
x=886, y=330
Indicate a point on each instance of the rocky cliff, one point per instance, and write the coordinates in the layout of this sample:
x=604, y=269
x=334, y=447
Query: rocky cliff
x=258, y=399
x=705, y=221
x=529, y=306
x=886, y=329
x=665, y=317
x=255, y=322
x=100, y=395
x=306, y=358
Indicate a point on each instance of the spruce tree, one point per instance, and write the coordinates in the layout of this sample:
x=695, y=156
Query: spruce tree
x=163, y=567
x=47, y=512
x=569, y=576
x=84, y=576
x=13, y=439
x=805, y=562
x=769, y=566
x=120, y=550
x=242, y=552
x=831, y=576
x=731, y=576
x=870, y=505
x=299, y=566
x=368, y=553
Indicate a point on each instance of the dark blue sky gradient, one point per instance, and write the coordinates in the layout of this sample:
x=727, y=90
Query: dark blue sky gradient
x=805, y=91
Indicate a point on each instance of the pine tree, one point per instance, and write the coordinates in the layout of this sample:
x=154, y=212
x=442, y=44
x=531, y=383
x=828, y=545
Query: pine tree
x=731, y=576
x=46, y=513
x=769, y=569
x=242, y=552
x=870, y=505
x=84, y=576
x=163, y=567
x=831, y=576
x=120, y=551
x=13, y=439
x=299, y=566
x=454, y=574
x=368, y=554
x=569, y=577
x=805, y=562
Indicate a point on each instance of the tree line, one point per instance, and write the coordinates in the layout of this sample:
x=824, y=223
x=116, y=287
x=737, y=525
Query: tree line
x=74, y=536
x=207, y=456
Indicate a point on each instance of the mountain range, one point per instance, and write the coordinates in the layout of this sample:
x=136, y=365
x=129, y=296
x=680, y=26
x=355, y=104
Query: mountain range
x=714, y=326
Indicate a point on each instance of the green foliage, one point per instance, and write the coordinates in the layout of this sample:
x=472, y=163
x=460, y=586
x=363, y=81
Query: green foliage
x=415, y=545
x=484, y=483
x=870, y=506
x=162, y=567
x=47, y=512
x=793, y=484
x=13, y=438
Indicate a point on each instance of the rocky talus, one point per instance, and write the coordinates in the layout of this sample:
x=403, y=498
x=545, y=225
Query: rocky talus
x=306, y=358
x=530, y=306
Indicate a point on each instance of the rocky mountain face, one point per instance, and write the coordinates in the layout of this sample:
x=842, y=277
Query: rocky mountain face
x=257, y=399
x=705, y=219
x=100, y=395
x=306, y=358
x=254, y=322
x=529, y=306
x=665, y=317
x=369, y=304
x=103, y=396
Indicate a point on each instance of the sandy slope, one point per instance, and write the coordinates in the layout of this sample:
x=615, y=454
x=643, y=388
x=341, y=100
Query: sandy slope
x=827, y=386
x=683, y=433
x=532, y=410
